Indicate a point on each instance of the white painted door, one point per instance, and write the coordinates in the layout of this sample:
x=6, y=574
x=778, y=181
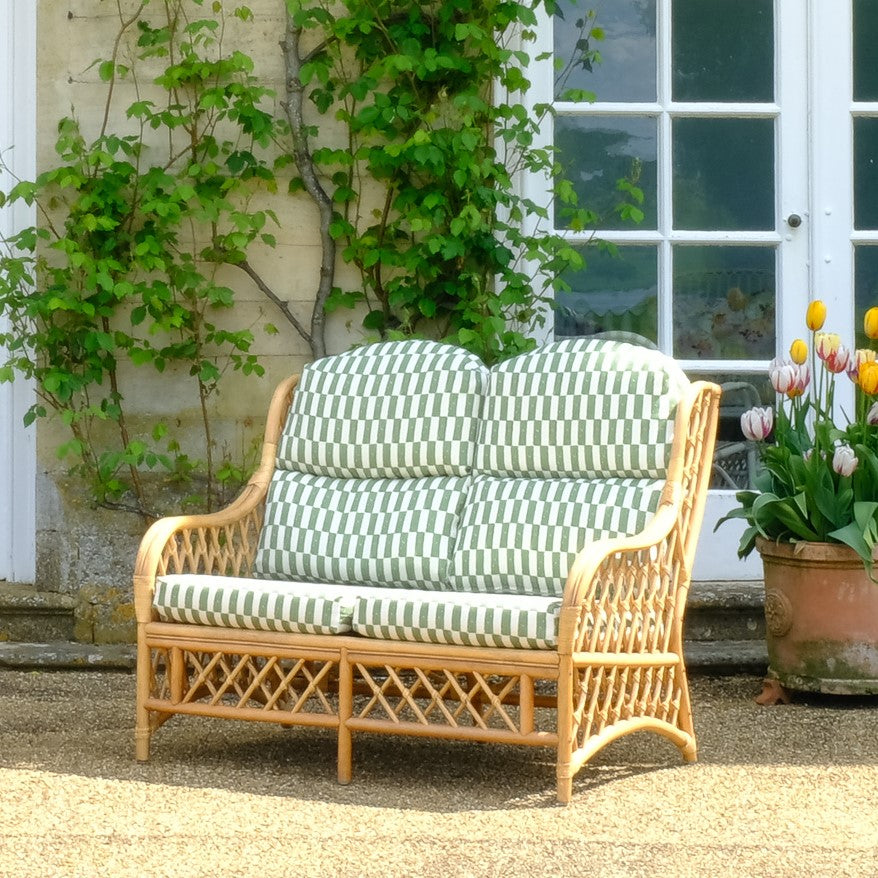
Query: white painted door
x=749, y=126
x=18, y=146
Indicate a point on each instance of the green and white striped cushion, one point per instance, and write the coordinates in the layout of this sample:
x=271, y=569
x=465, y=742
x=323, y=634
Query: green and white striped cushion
x=391, y=410
x=397, y=532
x=581, y=408
x=258, y=604
x=520, y=536
x=467, y=620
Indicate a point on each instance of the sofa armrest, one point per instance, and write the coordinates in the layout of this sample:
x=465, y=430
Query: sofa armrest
x=622, y=595
x=628, y=595
x=222, y=542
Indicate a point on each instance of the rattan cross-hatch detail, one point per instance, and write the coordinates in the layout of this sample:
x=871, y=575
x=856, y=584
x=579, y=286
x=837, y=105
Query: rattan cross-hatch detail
x=433, y=548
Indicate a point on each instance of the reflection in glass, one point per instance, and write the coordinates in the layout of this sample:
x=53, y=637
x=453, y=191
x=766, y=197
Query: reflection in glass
x=723, y=174
x=616, y=292
x=866, y=173
x=627, y=69
x=865, y=13
x=596, y=152
x=724, y=302
x=865, y=288
x=723, y=51
x=736, y=459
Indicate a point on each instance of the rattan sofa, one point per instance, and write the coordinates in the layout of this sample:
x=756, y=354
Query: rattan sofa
x=433, y=548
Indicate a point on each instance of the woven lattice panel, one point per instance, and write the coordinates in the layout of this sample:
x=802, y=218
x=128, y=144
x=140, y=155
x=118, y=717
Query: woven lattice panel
x=224, y=549
x=159, y=682
x=633, y=604
x=605, y=696
x=438, y=698
x=265, y=683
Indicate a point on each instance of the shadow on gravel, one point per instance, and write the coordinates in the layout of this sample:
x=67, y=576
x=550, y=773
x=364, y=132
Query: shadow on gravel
x=82, y=724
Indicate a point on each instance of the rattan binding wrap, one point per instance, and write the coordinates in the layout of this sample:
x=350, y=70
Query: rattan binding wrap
x=618, y=667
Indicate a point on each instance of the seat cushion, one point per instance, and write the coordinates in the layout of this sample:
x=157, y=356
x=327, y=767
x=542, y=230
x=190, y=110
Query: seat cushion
x=397, y=532
x=462, y=619
x=258, y=604
x=391, y=410
x=521, y=535
x=582, y=409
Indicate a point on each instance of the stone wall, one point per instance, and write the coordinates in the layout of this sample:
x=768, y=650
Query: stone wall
x=85, y=552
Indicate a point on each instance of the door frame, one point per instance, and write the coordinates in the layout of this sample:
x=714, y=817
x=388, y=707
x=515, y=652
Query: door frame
x=815, y=259
x=18, y=50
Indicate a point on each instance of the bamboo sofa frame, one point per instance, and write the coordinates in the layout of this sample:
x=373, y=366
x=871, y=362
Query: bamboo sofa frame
x=618, y=667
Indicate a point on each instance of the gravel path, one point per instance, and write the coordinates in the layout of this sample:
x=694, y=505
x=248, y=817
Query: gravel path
x=783, y=791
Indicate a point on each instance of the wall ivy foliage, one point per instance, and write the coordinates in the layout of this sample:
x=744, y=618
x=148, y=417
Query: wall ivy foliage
x=407, y=124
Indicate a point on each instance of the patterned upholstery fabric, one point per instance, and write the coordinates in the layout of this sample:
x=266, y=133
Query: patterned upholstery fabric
x=392, y=410
x=397, y=532
x=521, y=535
x=581, y=408
x=258, y=604
x=467, y=620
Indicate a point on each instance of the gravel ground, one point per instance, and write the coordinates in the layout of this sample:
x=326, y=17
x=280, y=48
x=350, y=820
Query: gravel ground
x=781, y=791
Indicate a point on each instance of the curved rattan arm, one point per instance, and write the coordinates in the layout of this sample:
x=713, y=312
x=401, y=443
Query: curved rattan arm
x=622, y=594
x=628, y=595
x=218, y=542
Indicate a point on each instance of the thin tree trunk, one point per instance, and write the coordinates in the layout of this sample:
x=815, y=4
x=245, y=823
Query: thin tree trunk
x=294, y=108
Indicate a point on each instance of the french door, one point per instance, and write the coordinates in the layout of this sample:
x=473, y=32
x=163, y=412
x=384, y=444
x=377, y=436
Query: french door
x=18, y=147
x=751, y=128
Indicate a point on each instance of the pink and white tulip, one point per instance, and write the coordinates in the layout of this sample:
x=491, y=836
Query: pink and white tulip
x=757, y=423
x=791, y=379
x=844, y=461
x=832, y=352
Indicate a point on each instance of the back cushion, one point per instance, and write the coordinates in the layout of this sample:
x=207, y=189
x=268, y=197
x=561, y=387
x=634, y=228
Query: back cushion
x=520, y=536
x=391, y=410
x=575, y=444
x=583, y=409
x=395, y=532
x=372, y=465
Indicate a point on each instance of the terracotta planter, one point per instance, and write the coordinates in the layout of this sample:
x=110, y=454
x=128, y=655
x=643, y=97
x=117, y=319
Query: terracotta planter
x=821, y=614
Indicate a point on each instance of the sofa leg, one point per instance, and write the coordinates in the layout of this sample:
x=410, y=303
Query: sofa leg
x=142, y=729
x=345, y=760
x=565, y=789
x=345, y=709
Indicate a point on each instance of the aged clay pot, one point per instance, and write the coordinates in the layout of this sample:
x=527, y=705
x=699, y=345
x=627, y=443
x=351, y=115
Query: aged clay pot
x=821, y=614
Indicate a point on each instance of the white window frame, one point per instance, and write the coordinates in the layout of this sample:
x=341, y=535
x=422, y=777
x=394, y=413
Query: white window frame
x=813, y=130
x=18, y=50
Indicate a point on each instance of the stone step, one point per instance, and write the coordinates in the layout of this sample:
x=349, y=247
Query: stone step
x=65, y=655
x=27, y=614
x=725, y=612
x=724, y=631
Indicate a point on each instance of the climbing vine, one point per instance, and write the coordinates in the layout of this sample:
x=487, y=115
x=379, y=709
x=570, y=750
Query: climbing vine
x=422, y=194
x=133, y=230
x=410, y=127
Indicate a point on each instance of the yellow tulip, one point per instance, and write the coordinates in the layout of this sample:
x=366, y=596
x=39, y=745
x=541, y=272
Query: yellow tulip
x=870, y=323
x=798, y=351
x=868, y=377
x=815, y=315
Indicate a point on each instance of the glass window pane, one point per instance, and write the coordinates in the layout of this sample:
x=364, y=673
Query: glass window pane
x=865, y=288
x=627, y=67
x=736, y=459
x=724, y=303
x=723, y=51
x=865, y=14
x=617, y=291
x=723, y=174
x=596, y=152
x=866, y=173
